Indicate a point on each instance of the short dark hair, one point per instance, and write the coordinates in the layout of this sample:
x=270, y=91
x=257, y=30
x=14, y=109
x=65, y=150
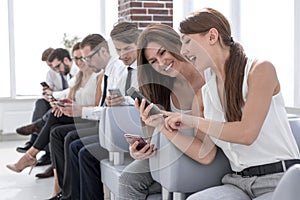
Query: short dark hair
x=126, y=32
x=47, y=53
x=60, y=54
x=94, y=40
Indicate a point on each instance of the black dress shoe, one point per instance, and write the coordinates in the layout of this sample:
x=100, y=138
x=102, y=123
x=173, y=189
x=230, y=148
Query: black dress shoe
x=57, y=197
x=24, y=148
x=46, y=174
x=44, y=160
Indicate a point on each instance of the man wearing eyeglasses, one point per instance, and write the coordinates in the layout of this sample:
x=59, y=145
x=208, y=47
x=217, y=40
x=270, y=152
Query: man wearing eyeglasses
x=96, y=54
x=61, y=71
x=86, y=152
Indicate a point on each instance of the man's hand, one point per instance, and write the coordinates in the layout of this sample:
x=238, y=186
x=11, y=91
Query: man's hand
x=114, y=100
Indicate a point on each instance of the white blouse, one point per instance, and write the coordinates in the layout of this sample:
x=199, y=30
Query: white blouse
x=275, y=141
x=87, y=95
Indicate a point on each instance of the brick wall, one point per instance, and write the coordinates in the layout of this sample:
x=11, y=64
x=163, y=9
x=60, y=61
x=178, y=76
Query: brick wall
x=145, y=12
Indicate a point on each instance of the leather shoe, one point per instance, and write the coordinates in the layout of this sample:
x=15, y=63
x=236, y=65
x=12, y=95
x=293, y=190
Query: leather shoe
x=46, y=174
x=31, y=128
x=44, y=160
x=24, y=148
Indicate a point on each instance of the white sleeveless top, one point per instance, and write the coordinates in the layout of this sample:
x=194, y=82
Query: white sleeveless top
x=275, y=141
x=87, y=95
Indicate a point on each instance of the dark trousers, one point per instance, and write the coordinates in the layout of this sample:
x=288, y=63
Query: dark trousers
x=60, y=138
x=44, y=136
x=85, y=155
x=41, y=107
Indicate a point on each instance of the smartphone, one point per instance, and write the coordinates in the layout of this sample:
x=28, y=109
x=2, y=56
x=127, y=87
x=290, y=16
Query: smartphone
x=115, y=92
x=134, y=93
x=131, y=138
x=59, y=103
x=50, y=96
x=44, y=84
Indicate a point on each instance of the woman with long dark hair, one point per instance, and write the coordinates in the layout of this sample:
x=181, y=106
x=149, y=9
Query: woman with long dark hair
x=241, y=111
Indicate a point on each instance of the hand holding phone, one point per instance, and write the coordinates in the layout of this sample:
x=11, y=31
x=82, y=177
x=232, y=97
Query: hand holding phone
x=44, y=84
x=115, y=91
x=50, y=96
x=134, y=93
x=59, y=103
x=131, y=139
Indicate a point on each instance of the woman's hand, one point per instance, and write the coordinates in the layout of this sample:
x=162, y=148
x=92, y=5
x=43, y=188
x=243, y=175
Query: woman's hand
x=71, y=109
x=147, y=151
x=177, y=121
x=156, y=121
x=56, y=112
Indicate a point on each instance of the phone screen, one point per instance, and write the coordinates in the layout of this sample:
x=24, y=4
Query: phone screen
x=50, y=96
x=59, y=103
x=131, y=139
x=115, y=92
x=134, y=93
x=44, y=84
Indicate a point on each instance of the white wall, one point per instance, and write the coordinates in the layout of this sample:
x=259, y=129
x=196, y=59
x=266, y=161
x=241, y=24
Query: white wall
x=15, y=113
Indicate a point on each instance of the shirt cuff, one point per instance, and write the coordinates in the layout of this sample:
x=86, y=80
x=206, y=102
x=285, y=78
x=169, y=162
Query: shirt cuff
x=129, y=101
x=91, y=113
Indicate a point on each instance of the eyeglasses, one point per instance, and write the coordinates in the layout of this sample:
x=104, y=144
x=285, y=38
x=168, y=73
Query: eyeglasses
x=57, y=66
x=77, y=58
x=89, y=57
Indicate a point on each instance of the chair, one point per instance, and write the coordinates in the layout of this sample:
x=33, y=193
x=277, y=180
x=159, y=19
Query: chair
x=180, y=175
x=288, y=187
x=117, y=121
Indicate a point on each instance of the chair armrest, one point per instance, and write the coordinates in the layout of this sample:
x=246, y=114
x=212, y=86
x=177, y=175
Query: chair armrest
x=177, y=172
x=288, y=186
x=118, y=121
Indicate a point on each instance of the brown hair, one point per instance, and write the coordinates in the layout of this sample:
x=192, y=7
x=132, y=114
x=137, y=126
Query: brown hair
x=94, y=40
x=46, y=53
x=153, y=85
x=201, y=22
x=126, y=32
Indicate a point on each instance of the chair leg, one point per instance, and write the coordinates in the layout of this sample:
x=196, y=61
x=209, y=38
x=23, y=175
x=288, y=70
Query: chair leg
x=106, y=192
x=118, y=158
x=112, y=196
x=166, y=195
x=179, y=196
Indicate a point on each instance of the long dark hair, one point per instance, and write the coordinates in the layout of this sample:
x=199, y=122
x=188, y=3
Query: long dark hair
x=201, y=22
x=153, y=85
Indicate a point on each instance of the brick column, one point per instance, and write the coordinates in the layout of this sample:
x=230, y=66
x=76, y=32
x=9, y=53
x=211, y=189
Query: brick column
x=145, y=12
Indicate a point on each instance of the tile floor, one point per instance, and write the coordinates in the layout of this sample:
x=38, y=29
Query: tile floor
x=14, y=186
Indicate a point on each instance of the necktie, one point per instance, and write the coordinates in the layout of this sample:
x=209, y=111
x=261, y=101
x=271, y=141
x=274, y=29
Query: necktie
x=64, y=82
x=128, y=79
x=104, y=90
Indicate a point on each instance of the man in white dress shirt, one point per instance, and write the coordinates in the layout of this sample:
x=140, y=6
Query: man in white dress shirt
x=54, y=79
x=96, y=54
x=87, y=152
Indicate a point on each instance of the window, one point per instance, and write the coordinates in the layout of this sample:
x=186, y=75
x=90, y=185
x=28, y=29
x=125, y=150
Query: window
x=4, y=51
x=267, y=32
x=266, y=29
x=37, y=26
x=44, y=26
